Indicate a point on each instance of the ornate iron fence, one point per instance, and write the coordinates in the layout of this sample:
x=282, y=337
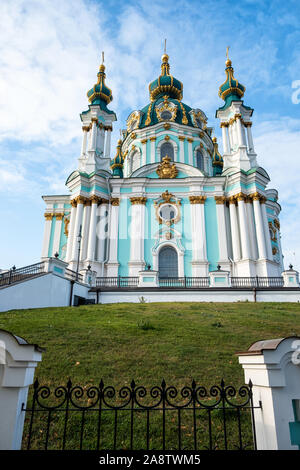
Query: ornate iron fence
x=259, y=282
x=21, y=274
x=102, y=418
x=119, y=281
x=186, y=282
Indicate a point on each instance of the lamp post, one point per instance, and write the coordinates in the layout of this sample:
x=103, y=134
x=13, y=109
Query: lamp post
x=79, y=237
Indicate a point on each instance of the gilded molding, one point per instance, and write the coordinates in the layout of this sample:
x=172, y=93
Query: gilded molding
x=138, y=200
x=167, y=137
x=66, y=230
x=263, y=199
x=73, y=202
x=80, y=199
x=255, y=196
x=148, y=119
x=48, y=215
x=277, y=224
x=184, y=118
x=232, y=200
x=115, y=201
x=167, y=126
x=86, y=128
x=144, y=141
x=190, y=140
x=224, y=124
x=133, y=135
x=153, y=138
x=94, y=119
x=181, y=137
x=220, y=199
x=58, y=215
x=197, y=199
x=274, y=250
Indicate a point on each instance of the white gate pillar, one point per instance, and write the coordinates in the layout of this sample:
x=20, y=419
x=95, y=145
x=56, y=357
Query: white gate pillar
x=273, y=366
x=18, y=361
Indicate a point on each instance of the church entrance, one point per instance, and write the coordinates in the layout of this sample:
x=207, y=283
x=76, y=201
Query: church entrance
x=168, y=262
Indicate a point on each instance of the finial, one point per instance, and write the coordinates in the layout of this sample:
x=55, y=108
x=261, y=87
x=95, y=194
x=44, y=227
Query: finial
x=102, y=57
x=165, y=48
x=102, y=66
x=228, y=61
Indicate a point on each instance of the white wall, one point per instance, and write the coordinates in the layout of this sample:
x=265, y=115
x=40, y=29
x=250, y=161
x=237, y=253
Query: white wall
x=198, y=296
x=48, y=290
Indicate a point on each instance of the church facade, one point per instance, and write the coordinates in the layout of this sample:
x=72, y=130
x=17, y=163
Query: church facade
x=166, y=200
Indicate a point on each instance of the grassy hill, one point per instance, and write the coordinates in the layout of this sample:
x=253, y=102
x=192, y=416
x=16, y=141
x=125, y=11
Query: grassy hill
x=148, y=342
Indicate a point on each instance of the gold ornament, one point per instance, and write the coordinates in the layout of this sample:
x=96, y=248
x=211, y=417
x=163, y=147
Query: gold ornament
x=166, y=169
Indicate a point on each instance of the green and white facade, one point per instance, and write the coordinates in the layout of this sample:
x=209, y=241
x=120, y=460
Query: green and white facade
x=166, y=198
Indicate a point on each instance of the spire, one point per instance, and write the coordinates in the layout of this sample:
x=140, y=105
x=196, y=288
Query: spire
x=100, y=92
x=231, y=89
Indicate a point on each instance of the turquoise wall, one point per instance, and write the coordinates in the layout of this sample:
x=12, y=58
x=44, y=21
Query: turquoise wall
x=185, y=226
x=211, y=231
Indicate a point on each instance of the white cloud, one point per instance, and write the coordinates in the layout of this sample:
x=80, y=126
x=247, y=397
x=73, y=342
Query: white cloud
x=277, y=144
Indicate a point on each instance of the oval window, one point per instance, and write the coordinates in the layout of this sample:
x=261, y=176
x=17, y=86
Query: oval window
x=167, y=212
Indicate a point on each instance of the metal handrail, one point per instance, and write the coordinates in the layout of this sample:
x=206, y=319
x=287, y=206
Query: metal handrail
x=20, y=274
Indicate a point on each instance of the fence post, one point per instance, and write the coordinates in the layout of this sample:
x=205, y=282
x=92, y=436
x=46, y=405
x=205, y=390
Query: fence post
x=18, y=361
x=273, y=366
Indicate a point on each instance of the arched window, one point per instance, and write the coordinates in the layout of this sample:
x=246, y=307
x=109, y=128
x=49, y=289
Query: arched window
x=167, y=149
x=166, y=115
x=135, y=161
x=199, y=160
x=168, y=262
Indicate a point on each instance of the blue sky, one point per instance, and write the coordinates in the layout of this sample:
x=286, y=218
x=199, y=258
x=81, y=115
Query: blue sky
x=49, y=57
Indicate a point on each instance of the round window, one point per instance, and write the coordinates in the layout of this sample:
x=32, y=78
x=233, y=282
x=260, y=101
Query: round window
x=167, y=212
x=166, y=115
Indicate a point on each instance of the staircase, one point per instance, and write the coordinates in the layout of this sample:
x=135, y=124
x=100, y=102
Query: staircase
x=21, y=274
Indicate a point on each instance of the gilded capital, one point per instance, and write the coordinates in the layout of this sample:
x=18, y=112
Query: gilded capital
x=197, y=199
x=190, y=140
x=144, y=141
x=240, y=197
x=255, y=196
x=232, y=200
x=85, y=128
x=220, y=199
x=58, y=215
x=95, y=199
x=181, y=137
x=153, y=138
x=80, y=199
x=138, y=200
x=263, y=199
x=115, y=201
x=48, y=215
x=73, y=202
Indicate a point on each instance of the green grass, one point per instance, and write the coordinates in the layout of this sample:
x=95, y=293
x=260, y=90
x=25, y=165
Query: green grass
x=148, y=342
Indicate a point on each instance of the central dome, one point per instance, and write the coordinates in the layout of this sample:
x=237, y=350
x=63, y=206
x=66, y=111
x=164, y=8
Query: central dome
x=165, y=84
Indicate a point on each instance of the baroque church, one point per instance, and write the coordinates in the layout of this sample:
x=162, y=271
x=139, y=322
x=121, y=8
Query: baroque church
x=166, y=199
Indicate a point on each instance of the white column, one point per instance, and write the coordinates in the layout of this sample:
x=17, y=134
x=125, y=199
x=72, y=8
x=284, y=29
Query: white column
x=92, y=229
x=231, y=143
x=107, y=143
x=152, y=149
x=222, y=235
x=113, y=264
x=199, y=261
x=243, y=227
x=190, y=151
x=251, y=225
x=93, y=136
x=260, y=234
x=18, y=362
x=57, y=232
x=84, y=140
x=224, y=138
x=250, y=140
x=101, y=137
x=47, y=232
x=78, y=222
x=241, y=132
x=235, y=237
x=144, y=152
x=85, y=230
x=101, y=234
x=71, y=230
x=266, y=229
x=181, y=148
x=137, y=235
